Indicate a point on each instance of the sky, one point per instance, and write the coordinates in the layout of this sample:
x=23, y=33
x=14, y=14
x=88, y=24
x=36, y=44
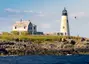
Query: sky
x=46, y=14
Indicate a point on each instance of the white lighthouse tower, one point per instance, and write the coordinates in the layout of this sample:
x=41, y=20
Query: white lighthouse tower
x=64, y=29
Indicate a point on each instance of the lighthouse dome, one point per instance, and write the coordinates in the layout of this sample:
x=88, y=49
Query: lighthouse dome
x=64, y=12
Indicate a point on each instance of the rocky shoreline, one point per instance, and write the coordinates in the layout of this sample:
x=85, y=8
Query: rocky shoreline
x=63, y=47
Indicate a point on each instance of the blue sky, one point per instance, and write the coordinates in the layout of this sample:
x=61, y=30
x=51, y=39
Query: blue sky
x=46, y=14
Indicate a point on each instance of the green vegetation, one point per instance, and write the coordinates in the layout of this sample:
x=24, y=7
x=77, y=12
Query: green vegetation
x=27, y=37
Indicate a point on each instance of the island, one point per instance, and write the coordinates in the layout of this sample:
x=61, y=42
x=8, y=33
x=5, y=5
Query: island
x=25, y=44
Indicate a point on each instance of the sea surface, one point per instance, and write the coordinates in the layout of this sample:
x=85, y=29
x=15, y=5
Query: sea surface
x=44, y=59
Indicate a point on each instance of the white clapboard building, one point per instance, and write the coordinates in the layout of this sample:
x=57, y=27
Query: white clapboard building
x=24, y=26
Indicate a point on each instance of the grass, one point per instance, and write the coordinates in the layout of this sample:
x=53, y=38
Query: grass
x=12, y=37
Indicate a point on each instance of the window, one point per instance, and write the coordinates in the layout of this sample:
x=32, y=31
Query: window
x=34, y=28
x=63, y=27
x=24, y=27
x=65, y=33
x=30, y=28
x=61, y=33
x=15, y=27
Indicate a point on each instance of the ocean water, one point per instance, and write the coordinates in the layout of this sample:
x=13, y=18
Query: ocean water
x=42, y=59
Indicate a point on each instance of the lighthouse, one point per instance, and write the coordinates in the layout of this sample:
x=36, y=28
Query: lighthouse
x=64, y=28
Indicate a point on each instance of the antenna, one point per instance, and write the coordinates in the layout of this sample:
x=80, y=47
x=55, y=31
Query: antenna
x=64, y=8
x=28, y=20
x=21, y=20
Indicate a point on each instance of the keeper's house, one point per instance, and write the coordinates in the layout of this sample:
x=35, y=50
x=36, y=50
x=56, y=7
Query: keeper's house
x=25, y=26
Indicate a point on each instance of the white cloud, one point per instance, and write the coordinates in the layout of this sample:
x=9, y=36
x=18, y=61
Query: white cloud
x=41, y=15
x=39, y=12
x=45, y=26
x=58, y=20
x=18, y=11
x=78, y=14
x=11, y=10
x=28, y=11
